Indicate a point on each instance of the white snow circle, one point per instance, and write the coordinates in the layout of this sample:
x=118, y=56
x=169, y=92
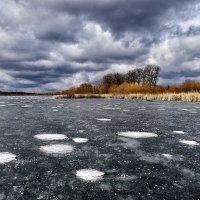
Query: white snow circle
x=132, y=134
x=57, y=149
x=46, y=136
x=189, y=142
x=6, y=157
x=80, y=140
x=89, y=174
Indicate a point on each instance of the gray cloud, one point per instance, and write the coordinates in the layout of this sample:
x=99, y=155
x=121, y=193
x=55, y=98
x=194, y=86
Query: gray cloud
x=52, y=45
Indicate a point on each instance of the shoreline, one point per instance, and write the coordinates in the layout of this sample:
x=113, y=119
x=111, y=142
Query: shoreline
x=185, y=97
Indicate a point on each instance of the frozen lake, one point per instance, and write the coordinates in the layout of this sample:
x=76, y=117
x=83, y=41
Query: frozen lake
x=96, y=149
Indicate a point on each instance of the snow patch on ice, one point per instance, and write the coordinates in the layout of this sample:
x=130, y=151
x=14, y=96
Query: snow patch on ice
x=107, y=108
x=189, y=142
x=104, y=119
x=132, y=134
x=46, y=136
x=80, y=140
x=179, y=132
x=80, y=131
x=55, y=110
x=89, y=174
x=27, y=106
x=57, y=149
x=167, y=155
x=6, y=157
x=2, y=105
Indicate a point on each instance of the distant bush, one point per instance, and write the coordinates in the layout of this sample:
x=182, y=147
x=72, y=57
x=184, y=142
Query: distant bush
x=128, y=88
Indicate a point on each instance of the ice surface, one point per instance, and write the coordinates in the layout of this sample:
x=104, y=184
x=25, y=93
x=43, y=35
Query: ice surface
x=124, y=177
x=80, y=140
x=179, y=132
x=132, y=134
x=6, y=157
x=89, y=174
x=134, y=168
x=167, y=155
x=46, y=136
x=104, y=119
x=57, y=149
x=189, y=142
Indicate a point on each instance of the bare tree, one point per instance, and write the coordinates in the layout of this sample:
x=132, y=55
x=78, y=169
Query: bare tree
x=107, y=81
x=117, y=78
x=131, y=76
x=139, y=75
x=151, y=74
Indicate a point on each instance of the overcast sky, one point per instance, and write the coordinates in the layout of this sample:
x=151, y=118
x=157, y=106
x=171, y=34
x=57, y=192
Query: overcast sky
x=49, y=45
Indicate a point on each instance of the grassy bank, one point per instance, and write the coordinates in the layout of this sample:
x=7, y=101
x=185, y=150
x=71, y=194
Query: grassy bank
x=188, y=97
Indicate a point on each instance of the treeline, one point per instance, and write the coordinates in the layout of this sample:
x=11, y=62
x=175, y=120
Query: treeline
x=147, y=76
x=135, y=81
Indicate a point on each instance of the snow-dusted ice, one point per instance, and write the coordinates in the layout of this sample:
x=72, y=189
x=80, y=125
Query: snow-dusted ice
x=6, y=157
x=104, y=119
x=46, y=136
x=89, y=174
x=50, y=161
x=132, y=134
x=57, y=149
x=189, y=142
x=80, y=140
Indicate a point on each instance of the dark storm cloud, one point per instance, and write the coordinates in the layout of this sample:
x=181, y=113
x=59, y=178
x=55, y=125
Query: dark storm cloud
x=50, y=45
x=120, y=15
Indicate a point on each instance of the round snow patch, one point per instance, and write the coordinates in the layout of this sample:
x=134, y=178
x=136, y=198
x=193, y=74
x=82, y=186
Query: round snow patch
x=104, y=120
x=89, y=174
x=57, y=149
x=179, y=132
x=6, y=157
x=50, y=136
x=189, y=142
x=167, y=155
x=131, y=134
x=80, y=140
